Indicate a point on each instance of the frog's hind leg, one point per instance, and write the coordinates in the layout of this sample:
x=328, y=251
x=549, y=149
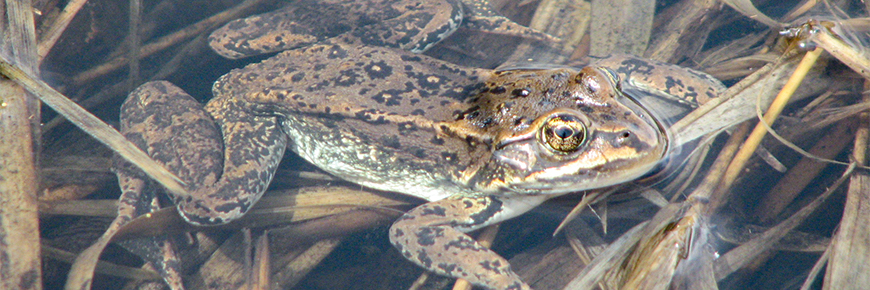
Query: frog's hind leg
x=433, y=236
x=422, y=24
x=480, y=15
x=136, y=199
x=176, y=132
x=414, y=25
x=299, y=24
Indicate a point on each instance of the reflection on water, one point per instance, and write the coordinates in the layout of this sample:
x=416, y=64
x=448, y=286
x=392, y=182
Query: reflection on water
x=336, y=238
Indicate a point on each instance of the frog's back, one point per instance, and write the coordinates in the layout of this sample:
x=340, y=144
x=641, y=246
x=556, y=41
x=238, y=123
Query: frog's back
x=366, y=114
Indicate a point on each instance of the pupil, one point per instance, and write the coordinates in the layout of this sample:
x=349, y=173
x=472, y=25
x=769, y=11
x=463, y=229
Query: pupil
x=564, y=132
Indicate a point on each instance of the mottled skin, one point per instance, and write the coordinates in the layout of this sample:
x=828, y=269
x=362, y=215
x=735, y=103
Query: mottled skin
x=668, y=90
x=483, y=146
x=413, y=25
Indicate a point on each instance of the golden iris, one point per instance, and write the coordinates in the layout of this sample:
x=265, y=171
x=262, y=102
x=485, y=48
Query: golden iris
x=564, y=133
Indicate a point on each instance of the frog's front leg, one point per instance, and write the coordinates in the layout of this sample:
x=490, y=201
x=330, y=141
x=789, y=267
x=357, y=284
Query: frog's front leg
x=433, y=236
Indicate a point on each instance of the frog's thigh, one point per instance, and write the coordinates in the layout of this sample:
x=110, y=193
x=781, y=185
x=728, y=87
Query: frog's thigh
x=431, y=236
x=174, y=130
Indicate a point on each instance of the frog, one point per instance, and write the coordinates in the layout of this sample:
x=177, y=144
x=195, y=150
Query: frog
x=480, y=146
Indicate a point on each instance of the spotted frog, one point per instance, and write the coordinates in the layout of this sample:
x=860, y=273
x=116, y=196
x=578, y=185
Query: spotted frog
x=481, y=146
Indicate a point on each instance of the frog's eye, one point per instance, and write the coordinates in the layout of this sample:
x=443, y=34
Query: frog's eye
x=563, y=133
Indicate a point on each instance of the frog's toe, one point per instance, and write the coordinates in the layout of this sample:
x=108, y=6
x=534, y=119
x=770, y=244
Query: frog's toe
x=205, y=213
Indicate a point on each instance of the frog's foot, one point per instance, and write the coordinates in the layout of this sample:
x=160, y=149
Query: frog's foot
x=135, y=201
x=161, y=253
x=431, y=236
x=481, y=16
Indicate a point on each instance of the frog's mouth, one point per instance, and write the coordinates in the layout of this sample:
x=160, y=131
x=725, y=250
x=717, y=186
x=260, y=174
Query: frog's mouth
x=527, y=169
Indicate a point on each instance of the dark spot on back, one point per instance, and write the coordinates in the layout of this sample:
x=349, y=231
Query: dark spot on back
x=378, y=70
x=336, y=52
x=412, y=58
x=520, y=93
x=449, y=157
x=391, y=141
x=407, y=127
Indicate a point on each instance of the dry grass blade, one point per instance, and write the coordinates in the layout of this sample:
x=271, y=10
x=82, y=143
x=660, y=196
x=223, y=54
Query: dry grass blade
x=573, y=26
x=803, y=172
x=95, y=127
x=261, y=275
x=730, y=107
x=621, y=26
x=294, y=271
x=776, y=107
x=279, y=208
x=609, y=258
x=574, y=21
x=795, y=241
x=689, y=18
x=19, y=221
x=50, y=37
x=101, y=208
x=588, y=199
x=167, y=41
x=19, y=118
x=817, y=268
x=105, y=268
x=746, y=8
x=744, y=254
x=848, y=265
x=653, y=263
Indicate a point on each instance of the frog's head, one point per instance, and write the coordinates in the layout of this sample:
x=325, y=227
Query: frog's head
x=604, y=138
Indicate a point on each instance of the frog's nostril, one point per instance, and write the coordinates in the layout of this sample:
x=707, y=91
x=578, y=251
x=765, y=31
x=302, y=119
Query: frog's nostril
x=623, y=139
